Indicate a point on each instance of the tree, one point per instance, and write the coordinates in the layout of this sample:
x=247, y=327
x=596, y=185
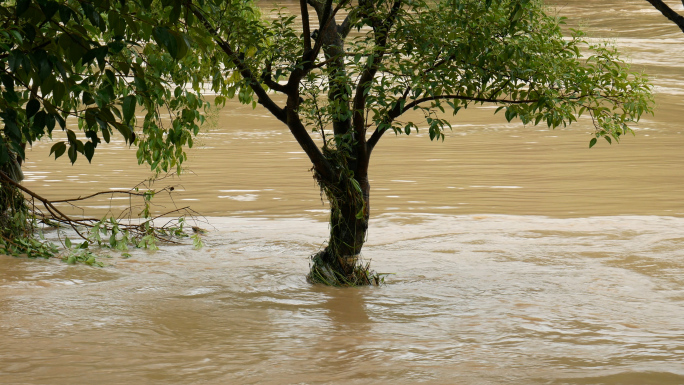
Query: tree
x=93, y=63
x=351, y=79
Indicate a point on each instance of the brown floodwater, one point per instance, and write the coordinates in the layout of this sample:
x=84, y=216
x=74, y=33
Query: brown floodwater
x=517, y=255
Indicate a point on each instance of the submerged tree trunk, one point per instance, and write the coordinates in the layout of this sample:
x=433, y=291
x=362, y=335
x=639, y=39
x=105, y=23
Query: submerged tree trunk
x=338, y=264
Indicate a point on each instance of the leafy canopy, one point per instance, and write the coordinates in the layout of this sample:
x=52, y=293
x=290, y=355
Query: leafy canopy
x=98, y=61
x=93, y=63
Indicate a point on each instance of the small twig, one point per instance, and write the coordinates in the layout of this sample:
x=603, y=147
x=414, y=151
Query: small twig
x=99, y=193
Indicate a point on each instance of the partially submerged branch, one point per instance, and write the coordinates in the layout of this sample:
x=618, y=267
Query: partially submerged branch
x=110, y=232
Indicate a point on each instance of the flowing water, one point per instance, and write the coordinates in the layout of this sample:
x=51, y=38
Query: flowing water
x=518, y=256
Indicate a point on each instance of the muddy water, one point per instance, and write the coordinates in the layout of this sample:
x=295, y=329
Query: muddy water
x=518, y=256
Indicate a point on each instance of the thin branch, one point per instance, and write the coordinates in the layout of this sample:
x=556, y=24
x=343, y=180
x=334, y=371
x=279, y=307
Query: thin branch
x=132, y=193
x=398, y=110
x=381, y=33
x=55, y=215
x=267, y=78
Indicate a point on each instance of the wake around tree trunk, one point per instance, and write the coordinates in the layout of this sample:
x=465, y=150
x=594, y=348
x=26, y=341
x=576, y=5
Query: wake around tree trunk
x=339, y=264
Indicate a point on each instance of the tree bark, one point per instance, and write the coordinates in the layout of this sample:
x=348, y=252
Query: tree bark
x=338, y=264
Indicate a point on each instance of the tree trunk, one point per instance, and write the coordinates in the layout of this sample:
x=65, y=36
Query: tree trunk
x=346, y=185
x=12, y=201
x=338, y=264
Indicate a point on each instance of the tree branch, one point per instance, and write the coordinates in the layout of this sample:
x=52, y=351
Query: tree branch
x=669, y=12
x=48, y=205
x=287, y=115
x=266, y=78
x=325, y=17
x=381, y=32
x=398, y=110
x=132, y=193
x=246, y=73
x=294, y=123
x=316, y=5
x=305, y=26
x=344, y=28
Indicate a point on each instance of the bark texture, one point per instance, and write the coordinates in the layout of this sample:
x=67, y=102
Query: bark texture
x=338, y=264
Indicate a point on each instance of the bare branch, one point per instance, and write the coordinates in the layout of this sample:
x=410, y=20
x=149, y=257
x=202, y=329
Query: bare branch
x=131, y=193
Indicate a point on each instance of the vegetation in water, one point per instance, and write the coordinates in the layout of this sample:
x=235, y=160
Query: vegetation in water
x=24, y=233
x=349, y=70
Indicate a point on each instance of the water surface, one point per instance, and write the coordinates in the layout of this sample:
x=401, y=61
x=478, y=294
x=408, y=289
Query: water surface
x=517, y=256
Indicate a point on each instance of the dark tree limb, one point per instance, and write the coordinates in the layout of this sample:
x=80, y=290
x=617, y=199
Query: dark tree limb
x=669, y=12
x=326, y=15
x=305, y=26
x=48, y=205
x=317, y=5
x=381, y=31
x=246, y=73
x=267, y=78
x=344, y=28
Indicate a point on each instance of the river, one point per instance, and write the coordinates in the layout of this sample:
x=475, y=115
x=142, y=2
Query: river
x=517, y=255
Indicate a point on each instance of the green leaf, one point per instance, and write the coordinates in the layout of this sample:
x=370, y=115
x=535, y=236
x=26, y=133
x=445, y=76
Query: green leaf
x=22, y=6
x=88, y=98
x=4, y=153
x=17, y=36
x=71, y=136
x=167, y=39
x=58, y=92
x=49, y=8
x=72, y=154
x=89, y=150
x=32, y=107
x=592, y=142
x=38, y=125
x=64, y=14
x=50, y=122
x=61, y=121
x=105, y=134
x=125, y=131
x=67, y=242
x=90, y=55
x=129, y=103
